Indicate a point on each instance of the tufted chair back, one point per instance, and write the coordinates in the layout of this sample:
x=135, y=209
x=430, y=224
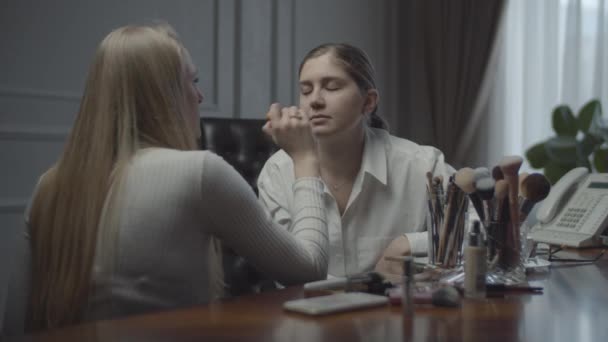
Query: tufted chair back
x=243, y=145
x=240, y=142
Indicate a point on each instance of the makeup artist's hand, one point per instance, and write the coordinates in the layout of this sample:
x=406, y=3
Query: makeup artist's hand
x=290, y=129
x=399, y=247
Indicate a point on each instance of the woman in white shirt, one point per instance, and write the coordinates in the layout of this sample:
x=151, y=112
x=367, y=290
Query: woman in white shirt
x=128, y=219
x=375, y=193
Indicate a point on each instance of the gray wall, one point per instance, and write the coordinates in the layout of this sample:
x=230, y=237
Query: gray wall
x=247, y=51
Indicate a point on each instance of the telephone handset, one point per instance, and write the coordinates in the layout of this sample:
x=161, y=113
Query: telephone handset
x=576, y=210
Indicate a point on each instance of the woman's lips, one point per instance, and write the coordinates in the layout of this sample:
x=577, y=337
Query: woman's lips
x=319, y=117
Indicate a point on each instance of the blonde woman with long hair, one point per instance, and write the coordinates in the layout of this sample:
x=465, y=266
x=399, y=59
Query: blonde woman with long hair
x=127, y=221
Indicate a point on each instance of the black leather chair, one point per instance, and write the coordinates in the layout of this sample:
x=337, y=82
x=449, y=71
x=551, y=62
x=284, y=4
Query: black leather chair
x=240, y=142
x=243, y=145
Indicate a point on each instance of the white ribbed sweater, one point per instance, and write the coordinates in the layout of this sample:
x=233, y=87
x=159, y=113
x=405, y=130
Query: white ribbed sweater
x=174, y=201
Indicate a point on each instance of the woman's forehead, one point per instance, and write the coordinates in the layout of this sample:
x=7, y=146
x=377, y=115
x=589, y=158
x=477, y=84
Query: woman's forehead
x=322, y=66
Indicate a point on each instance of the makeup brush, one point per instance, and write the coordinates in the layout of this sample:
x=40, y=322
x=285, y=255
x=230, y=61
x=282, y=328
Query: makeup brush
x=438, y=182
x=533, y=189
x=429, y=178
x=482, y=172
x=450, y=211
x=456, y=223
x=501, y=189
x=501, y=212
x=431, y=191
x=520, y=178
x=509, y=166
x=497, y=173
x=465, y=180
x=485, y=191
x=440, y=195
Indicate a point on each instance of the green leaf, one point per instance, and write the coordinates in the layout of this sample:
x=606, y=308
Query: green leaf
x=564, y=123
x=555, y=171
x=588, y=145
x=585, y=116
x=537, y=156
x=598, y=127
x=562, y=150
x=600, y=160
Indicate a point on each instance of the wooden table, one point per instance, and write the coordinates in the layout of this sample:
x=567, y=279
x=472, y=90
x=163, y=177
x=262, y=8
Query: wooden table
x=574, y=307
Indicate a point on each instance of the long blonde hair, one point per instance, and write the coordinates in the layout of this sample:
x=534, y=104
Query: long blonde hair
x=134, y=97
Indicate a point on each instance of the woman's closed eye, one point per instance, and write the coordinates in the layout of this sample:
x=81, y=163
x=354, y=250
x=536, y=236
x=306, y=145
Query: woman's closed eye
x=331, y=86
x=305, y=90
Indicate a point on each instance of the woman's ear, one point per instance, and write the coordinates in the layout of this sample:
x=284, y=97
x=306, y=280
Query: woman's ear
x=371, y=101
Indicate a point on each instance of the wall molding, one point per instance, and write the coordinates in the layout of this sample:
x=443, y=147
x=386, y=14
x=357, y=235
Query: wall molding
x=30, y=93
x=12, y=205
x=34, y=132
x=66, y=96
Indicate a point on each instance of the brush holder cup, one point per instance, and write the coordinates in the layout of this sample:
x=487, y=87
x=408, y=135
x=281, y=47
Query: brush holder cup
x=446, y=230
x=505, y=253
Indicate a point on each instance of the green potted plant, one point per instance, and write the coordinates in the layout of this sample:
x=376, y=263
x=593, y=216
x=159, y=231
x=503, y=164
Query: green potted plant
x=579, y=141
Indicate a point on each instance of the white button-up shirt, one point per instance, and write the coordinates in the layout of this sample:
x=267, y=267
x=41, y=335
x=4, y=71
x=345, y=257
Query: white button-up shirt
x=388, y=199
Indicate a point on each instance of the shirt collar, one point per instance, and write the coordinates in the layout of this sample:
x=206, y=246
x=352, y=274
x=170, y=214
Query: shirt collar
x=374, y=160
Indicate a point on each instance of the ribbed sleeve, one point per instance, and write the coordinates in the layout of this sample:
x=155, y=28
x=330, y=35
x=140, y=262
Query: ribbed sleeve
x=237, y=218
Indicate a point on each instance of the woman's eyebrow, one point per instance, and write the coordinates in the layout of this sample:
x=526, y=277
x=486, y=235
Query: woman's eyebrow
x=324, y=80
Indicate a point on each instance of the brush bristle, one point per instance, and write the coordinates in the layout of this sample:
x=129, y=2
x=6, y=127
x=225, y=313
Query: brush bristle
x=465, y=179
x=497, y=173
x=536, y=187
x=485, y=187
x=522, y=177
x=510, y=165
x=501, y=189
x=481, y=172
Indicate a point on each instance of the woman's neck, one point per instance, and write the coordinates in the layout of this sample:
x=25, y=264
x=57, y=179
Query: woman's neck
x=341, y=155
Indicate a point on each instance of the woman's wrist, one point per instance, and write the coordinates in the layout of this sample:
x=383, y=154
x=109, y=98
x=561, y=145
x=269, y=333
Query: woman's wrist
x=306, y=165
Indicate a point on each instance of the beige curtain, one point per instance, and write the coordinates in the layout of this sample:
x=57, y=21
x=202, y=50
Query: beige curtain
x=444, y=48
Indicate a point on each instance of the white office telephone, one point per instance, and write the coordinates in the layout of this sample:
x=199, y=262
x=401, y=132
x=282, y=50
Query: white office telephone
x=576, y=210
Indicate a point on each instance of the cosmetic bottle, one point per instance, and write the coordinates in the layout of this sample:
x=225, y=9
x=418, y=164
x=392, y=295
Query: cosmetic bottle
x=407, y=299
x=475, y=264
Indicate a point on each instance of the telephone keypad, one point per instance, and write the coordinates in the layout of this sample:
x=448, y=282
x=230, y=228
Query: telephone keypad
x=573, y=216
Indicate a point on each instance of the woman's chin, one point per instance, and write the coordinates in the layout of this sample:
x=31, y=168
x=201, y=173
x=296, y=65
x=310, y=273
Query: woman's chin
x=321, y=131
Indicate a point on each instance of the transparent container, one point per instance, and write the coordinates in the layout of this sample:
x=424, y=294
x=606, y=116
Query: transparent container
x=506, y=253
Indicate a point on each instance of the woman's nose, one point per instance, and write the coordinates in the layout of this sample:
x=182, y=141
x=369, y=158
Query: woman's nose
x=317, y=100
x=200, y=96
